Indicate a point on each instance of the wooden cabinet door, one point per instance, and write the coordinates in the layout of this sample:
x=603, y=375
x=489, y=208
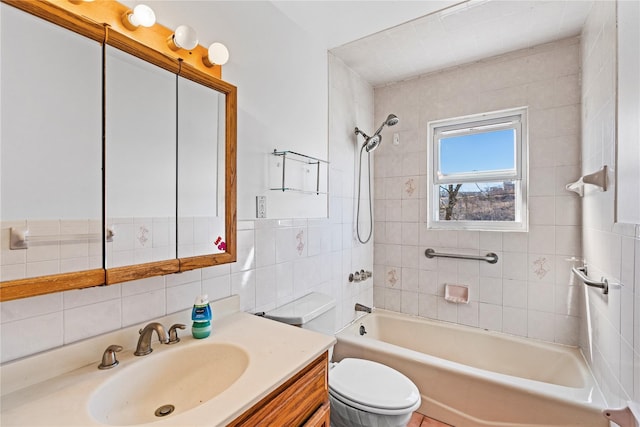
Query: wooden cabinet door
x=295, y=403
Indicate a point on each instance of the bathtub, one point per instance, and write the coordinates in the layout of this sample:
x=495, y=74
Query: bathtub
x=472, y=377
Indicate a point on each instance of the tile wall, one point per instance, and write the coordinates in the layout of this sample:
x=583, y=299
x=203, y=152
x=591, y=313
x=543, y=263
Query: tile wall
x=610, y=325
x=278, y=260
x=529, y=292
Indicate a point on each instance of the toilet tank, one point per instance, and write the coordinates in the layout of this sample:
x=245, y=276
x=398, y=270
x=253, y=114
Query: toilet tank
x=314, y=311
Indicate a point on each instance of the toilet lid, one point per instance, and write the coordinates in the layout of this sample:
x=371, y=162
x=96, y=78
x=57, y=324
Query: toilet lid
x=372, y=385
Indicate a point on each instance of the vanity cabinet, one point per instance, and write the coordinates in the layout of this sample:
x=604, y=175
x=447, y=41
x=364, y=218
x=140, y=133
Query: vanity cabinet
x=301, y=401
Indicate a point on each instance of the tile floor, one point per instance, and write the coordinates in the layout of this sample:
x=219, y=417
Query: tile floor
x=419, y=420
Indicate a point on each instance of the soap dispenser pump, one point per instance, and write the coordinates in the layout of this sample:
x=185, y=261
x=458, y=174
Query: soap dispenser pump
x=201, y=316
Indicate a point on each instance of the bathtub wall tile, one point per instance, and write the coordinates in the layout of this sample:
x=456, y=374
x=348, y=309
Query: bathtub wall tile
x=525, y=284
x=514, y=321
x=468, y=314
x=278, y=259
x=490, y=317
x=609, y=327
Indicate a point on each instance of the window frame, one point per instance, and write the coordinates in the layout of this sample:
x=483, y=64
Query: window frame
x=515, y=118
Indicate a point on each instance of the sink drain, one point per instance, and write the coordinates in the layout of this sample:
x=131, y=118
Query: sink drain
x=165, y=410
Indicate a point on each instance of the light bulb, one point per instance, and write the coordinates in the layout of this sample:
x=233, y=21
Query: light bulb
x=184, y=37
x=217, y=54
x=141, y=16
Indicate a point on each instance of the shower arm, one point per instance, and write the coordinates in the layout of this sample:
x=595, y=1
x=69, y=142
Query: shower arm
x=359, y=132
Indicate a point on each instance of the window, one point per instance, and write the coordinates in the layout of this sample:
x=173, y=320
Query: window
x=477, y=179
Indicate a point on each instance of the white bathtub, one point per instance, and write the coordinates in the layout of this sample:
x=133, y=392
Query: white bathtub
x=472, y=377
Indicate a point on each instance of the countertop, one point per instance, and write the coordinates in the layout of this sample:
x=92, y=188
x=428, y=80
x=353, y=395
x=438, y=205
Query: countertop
x=276, y=352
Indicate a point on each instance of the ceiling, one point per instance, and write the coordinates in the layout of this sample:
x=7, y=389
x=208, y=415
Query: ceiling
x=388, y=41
x=335, y=23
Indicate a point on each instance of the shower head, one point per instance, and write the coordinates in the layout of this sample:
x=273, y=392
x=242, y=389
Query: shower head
x=392, y=120
x=372, y=142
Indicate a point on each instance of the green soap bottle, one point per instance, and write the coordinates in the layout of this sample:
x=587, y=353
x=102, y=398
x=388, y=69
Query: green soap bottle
x=201, y=316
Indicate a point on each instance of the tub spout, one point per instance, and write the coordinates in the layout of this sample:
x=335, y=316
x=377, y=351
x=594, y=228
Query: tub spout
x=360, y=307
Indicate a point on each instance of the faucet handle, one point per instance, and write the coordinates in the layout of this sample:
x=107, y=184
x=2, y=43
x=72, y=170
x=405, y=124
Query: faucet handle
x=173, y=333
x=109, y=357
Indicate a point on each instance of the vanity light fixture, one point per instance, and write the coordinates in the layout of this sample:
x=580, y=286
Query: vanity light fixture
x=217, y=54
x=141, y=16
x=184, y=37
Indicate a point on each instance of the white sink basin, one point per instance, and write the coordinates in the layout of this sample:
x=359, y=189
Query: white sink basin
x=164, y=384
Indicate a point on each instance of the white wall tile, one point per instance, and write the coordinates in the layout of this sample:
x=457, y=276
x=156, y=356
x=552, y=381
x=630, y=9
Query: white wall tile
x=32, y=307
x=515, y=265
x=81, y=297
x=514, y=293
x=447, y=311
x=266, y=286
x=409, y=303
x=566, y=329
x=177, y=279
x=17, y=337
x=142, y=286
x=491, y=290
x=181, y=297
x=515, y=321
x=89, y=320
x=139, y=307
x=217, y=287
x=490, y=317
x=244, y=285
x=468, y=314
x=541, y=297
x=541, y=325
x=542, y=239
x=428, y=306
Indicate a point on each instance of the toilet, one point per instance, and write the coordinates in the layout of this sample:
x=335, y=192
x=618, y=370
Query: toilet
x=362, y=393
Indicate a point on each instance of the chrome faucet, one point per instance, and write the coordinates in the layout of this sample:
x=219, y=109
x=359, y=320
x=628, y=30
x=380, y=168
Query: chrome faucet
x=360, y=307
x=144, y=342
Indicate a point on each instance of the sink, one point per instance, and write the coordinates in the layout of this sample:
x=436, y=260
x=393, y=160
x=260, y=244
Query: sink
x=167, y=383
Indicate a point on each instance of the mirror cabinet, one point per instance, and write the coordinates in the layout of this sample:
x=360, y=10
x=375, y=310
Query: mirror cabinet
x=118, y=154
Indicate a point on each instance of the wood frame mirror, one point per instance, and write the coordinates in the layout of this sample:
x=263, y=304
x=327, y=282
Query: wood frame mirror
x=101, y=20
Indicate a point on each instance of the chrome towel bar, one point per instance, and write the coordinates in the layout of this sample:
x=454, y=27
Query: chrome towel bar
x=581, y=272
x=491, y=257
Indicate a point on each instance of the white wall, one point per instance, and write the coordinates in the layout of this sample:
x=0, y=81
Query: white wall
x=610, y=325
x=530, y=291
x=283, y=88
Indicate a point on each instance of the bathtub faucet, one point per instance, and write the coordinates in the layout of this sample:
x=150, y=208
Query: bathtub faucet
x=360, y=307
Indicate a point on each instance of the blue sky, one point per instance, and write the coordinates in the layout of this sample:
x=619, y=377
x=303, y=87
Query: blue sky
x=478, y=152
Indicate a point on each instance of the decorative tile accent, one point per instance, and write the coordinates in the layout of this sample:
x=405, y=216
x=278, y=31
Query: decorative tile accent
x=143, y=233
x=300, y=240
x=541, y=267
x=392, y=277
x=410, y=187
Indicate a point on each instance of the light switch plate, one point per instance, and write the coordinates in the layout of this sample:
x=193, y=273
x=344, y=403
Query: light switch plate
x=261, y=206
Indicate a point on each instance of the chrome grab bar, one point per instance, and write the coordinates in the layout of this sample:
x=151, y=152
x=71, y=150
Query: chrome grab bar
x=491, y=257
x=581, y=272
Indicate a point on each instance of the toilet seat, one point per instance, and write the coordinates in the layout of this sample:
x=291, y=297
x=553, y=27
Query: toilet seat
x=373, y=387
